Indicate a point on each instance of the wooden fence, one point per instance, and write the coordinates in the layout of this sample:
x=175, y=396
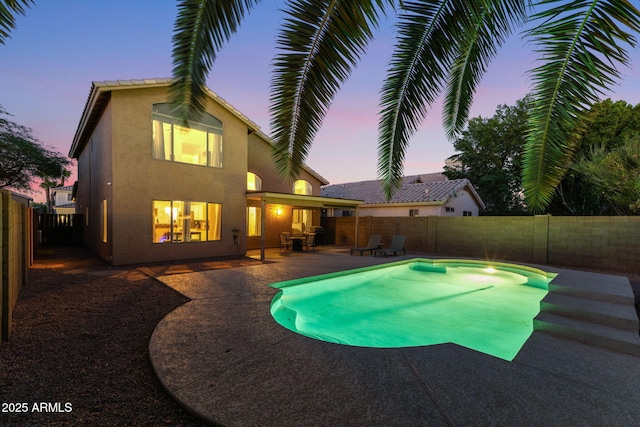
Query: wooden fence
x=59, y=229
x=15, y=256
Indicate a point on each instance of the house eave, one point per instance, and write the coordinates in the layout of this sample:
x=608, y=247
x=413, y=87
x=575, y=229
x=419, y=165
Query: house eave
x=403, y=204
x=301, y=200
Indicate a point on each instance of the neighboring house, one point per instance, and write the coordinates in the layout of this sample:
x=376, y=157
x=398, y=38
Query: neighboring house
x=63, y=202
x=151, y=190
x=419, y=195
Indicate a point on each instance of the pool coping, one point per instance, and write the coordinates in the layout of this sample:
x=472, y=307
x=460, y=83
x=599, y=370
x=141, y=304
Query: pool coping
x=225, y=359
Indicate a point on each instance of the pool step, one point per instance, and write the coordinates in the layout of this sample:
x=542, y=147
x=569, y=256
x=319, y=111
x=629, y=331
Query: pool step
x=618, y=316
x=595, y=309
x=588, y=333
x=593, y=286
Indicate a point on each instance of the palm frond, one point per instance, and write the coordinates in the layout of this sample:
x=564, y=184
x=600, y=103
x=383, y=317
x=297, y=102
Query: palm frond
x=8, y=11
x=581, y=44
x=489, y=23
x=320, y=42
x=201, y=29
x=428, y=37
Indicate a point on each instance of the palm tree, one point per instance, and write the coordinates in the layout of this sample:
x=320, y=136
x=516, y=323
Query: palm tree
x=443, y=46
x=8, y=10
x=50, y=182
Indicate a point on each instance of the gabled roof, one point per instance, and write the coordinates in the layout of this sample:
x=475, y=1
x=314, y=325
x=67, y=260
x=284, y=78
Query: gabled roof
x=101, y=93
x=426, y=188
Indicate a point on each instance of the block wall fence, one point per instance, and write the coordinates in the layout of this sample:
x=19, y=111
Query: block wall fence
x=608, y=243
x=15, y=220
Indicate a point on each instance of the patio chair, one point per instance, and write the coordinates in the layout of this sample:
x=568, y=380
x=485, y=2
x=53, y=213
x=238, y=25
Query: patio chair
x=397, y=245
x=374, y=243
x=284, y=242
x=309, y=242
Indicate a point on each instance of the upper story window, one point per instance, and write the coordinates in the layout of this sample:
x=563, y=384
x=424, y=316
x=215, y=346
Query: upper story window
x=302, y=187
x=254, y=183
x=199, y=144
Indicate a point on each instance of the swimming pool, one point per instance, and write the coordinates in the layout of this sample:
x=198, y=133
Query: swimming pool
x=488, y=307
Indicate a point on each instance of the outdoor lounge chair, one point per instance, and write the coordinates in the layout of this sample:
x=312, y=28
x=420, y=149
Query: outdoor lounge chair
x=397, y=245
x=374, y=243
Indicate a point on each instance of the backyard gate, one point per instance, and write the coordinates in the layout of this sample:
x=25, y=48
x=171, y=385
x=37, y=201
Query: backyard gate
x=60, y=229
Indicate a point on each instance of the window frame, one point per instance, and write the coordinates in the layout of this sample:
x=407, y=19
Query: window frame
x=254, y=230
x=179, y=220
x=211, y=126
x=257, y=181
x=308, y=187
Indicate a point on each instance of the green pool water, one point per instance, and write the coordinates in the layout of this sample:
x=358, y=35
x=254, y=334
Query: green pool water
x=482, y=306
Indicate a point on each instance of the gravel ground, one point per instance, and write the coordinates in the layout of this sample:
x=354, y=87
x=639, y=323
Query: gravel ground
x=80, y=346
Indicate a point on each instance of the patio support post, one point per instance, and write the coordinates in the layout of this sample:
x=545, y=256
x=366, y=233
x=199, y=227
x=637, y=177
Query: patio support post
x=263, y=227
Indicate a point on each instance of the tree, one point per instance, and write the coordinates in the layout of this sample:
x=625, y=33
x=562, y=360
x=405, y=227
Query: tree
x=614, y=174
x=490, y=156
x=605, y=139
x=8, y=9
x=442, y=46
x=602, y=179
x=49, y=183
x=24, y=159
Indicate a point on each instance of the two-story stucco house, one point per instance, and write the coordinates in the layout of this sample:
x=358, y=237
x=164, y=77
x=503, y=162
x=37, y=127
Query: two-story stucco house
x=152, y=190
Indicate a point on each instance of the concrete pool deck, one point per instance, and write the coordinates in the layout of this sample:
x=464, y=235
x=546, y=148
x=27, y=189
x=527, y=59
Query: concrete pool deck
x=223, y=357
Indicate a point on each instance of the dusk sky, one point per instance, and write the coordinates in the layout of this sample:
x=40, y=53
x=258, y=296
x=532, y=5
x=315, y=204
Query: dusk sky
x=59, y=48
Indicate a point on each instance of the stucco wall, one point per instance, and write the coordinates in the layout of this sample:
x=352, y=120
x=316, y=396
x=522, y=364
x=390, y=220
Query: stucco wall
x=138, y=179
x=95, y=171
x=463, y=201
x=590, y=242
x=117, y=165
x=260, y=162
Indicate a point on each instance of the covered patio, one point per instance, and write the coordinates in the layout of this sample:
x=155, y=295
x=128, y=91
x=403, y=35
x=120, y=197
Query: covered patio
x=284, y=212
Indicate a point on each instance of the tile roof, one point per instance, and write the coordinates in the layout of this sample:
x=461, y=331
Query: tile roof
x=433, y=187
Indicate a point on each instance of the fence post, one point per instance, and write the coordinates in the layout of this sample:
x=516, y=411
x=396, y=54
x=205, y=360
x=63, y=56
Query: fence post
x=540, y=239
x=432, y=234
